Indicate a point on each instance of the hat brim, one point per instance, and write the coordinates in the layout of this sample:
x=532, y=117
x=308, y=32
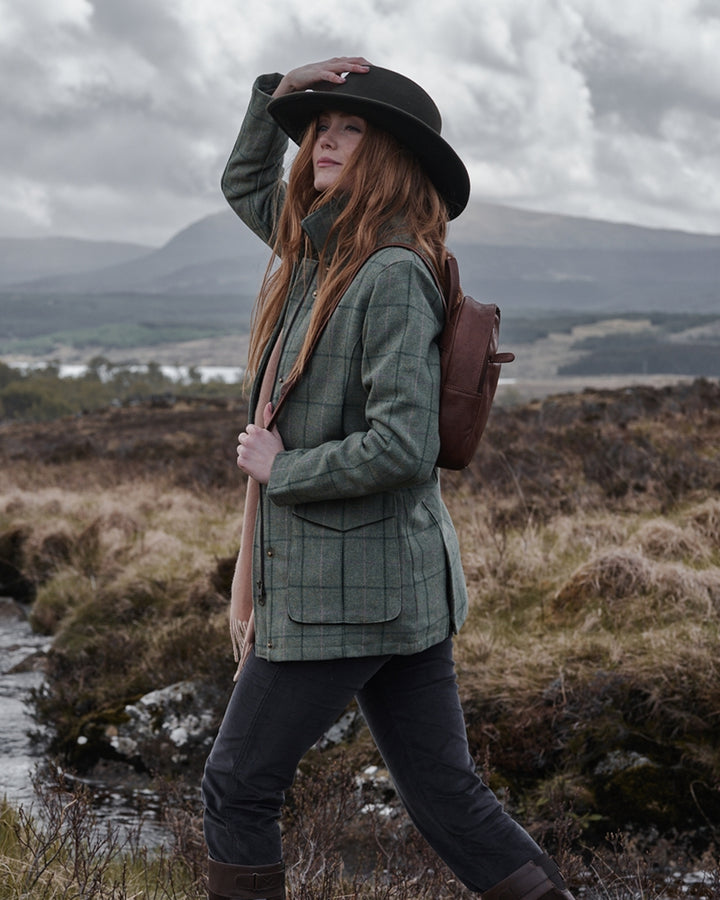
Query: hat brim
x=296, y=111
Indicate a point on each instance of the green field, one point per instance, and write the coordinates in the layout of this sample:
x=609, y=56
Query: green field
x=37, y=324
x=150, y=327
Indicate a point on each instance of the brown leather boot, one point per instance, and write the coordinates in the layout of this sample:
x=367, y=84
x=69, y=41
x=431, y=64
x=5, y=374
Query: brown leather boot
x=539, y=879
x=226, y=882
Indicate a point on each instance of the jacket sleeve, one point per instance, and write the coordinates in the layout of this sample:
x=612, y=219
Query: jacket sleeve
x=252, y=181
x=400, y=366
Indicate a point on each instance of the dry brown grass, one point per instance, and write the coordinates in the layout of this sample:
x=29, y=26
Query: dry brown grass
x=129, y=583
x=706, y=518
x=528, y=589
x=610, y=576
x=150, y=528
x=594, y=581
x=584, y=636
x=662, y=540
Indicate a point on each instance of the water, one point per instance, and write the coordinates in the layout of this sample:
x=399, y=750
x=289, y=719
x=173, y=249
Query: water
x=180, y=374
x=20, y=755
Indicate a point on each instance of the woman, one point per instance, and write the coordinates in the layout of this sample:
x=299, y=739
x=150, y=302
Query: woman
x=349, y=582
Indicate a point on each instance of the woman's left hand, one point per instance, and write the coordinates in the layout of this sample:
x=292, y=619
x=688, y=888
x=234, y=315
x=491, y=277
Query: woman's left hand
x=257, y=449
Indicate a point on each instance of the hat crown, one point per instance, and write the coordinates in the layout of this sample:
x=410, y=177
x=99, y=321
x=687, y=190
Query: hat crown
x=387, y=89
x=397, y=105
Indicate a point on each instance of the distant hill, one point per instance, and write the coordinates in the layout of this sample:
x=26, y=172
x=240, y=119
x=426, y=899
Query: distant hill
x=215, y=255
x=522, y=260
x=505, y=226
x=22, y=259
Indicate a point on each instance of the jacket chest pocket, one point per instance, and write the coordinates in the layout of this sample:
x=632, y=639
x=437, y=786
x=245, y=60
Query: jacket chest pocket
x=344, y=562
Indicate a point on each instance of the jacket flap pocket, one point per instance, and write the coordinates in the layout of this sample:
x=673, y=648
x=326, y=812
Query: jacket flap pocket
x=345, y=515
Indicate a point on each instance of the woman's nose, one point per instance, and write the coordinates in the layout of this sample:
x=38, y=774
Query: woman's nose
x=328, y=138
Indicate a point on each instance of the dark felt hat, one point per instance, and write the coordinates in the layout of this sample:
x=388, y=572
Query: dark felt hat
x=392, y=102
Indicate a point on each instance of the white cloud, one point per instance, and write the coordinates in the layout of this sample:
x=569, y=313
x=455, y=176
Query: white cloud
x=120, y=113
x=24, y=207
x=17, y=19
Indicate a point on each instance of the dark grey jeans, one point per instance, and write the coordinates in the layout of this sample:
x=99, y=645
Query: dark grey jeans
x=411, y=704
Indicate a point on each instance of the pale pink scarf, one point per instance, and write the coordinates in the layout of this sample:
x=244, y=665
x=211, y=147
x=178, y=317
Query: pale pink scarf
x=242, y=618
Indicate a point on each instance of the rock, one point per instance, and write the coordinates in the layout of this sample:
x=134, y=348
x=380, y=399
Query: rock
x=631, y=787
x=343, y=730
x=34, y=662
x=377, y=792
x=619, y=761
x=10, y=611
x=176, y=725
x=166, y=728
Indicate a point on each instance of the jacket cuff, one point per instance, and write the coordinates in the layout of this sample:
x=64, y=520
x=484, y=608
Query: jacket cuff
x=278, y=486
x=266, y=84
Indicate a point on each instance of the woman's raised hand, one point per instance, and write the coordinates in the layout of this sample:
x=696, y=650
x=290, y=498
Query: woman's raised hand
x=330, y=70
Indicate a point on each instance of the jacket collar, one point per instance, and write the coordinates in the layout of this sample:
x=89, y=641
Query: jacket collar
x=318, y=224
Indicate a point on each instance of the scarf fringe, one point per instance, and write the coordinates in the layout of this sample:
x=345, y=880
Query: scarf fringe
x=238, y=633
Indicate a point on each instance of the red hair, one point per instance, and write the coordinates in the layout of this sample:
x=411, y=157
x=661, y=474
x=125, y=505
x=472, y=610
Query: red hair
x=388, y=196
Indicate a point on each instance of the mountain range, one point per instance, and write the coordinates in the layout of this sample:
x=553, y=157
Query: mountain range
x=525, y=261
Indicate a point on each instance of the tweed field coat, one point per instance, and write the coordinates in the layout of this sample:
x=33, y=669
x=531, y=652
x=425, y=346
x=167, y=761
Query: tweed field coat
x=355, y=553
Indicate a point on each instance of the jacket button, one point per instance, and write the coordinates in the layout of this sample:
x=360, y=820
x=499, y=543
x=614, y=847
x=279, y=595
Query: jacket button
x=270, y=551
x=269, y=643
x=261, y=601
x=280, y=379
x=314, y=293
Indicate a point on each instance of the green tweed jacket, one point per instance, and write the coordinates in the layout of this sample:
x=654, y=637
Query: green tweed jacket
x=355, y=553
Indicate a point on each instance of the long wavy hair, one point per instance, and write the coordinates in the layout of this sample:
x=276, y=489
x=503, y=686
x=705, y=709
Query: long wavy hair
x=387, y=194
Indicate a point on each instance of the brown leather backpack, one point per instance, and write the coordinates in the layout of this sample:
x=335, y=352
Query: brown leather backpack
x=470, y=369
x=469, y=366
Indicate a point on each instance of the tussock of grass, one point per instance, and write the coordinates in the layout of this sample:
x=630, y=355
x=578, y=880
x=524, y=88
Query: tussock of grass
x=706, y=518
x=662, y=540
x=616, y=578
x=122, y=535
x=532, y=603
x=57, y=597
x=611, y=576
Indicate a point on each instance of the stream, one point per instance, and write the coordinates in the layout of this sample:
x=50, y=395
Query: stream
x=21, y=653
x=19, y=647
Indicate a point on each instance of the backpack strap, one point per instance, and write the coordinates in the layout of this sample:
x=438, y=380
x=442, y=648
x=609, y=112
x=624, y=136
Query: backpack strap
x=451, y=291
x=453, y=282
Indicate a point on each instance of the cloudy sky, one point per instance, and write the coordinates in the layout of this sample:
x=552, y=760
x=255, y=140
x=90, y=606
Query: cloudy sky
x=117, y=115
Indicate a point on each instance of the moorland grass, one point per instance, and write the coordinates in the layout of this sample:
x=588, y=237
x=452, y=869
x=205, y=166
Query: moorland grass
x=138, y=589
x=588, y=666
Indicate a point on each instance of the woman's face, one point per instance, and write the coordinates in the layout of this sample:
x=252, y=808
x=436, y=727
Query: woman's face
x=337, y=134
